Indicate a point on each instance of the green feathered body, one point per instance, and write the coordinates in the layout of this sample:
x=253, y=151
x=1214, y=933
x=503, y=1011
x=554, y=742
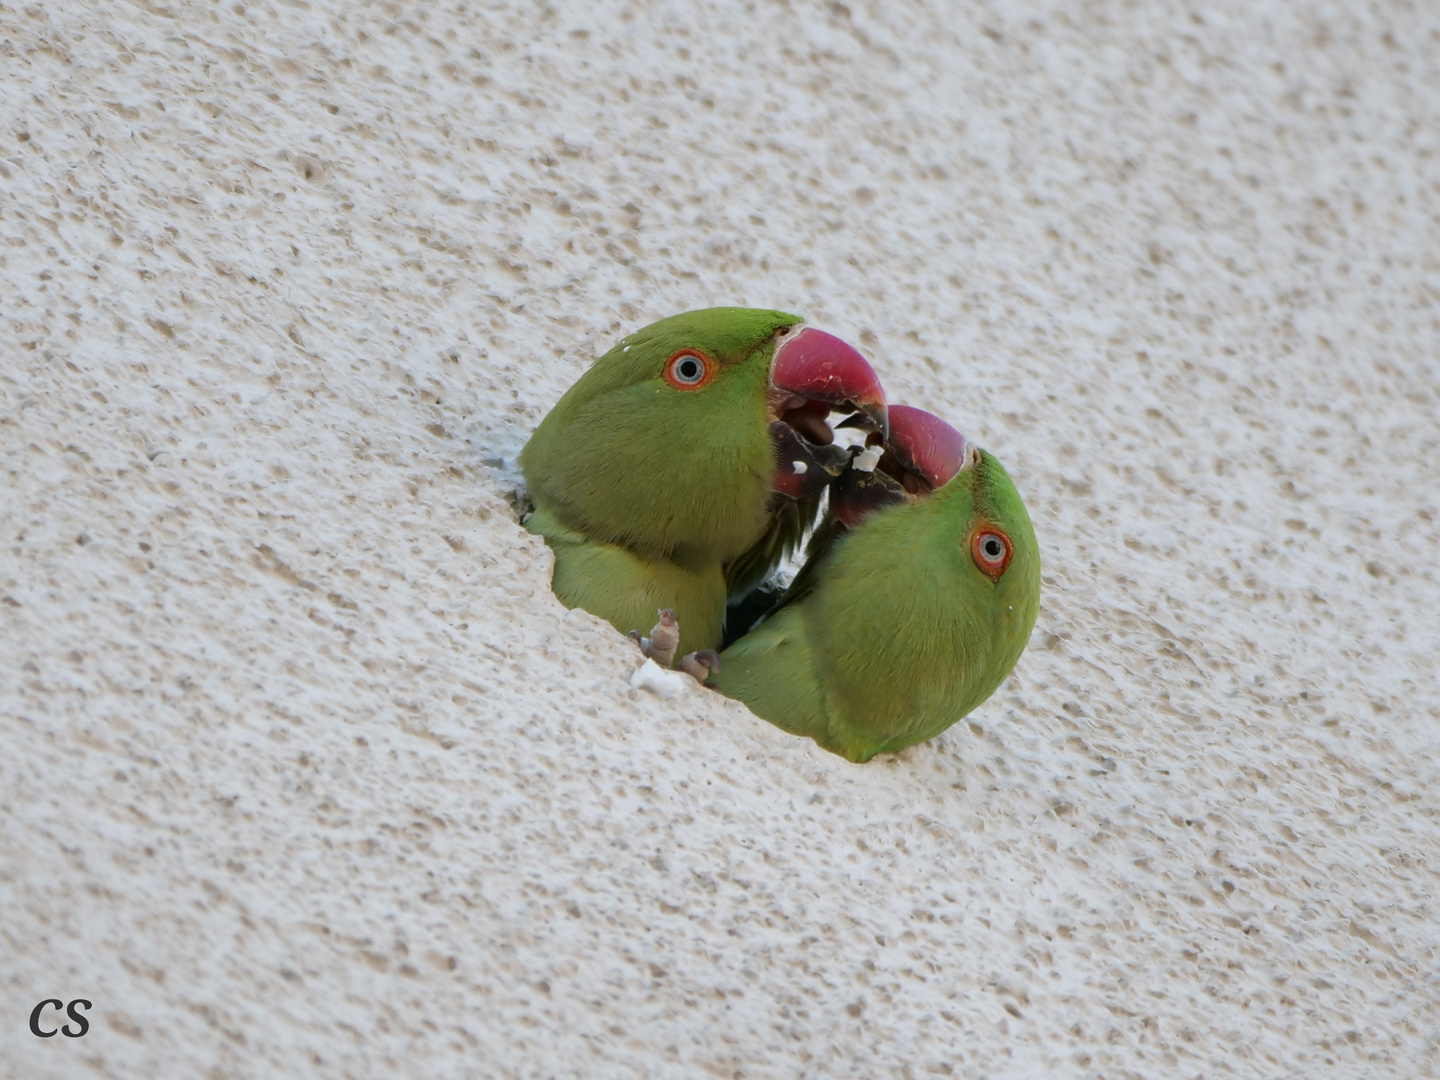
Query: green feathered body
x=628, y=589
x=644, y=491
x=901, y=634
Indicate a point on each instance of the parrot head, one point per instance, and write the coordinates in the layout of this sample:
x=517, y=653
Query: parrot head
x=924, y=460
x=946, y=581
x=992, y=567
x=998, y=555
x=669, y=443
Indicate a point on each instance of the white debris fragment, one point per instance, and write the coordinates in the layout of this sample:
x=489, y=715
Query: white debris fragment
x=867, y=459
x=663, y=684
x=800, y=467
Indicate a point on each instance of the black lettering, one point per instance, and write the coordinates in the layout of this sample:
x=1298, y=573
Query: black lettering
x=84, y=1023
x=35, y=1017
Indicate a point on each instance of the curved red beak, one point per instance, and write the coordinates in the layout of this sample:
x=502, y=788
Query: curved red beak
x=817, y=366
x=923, y=443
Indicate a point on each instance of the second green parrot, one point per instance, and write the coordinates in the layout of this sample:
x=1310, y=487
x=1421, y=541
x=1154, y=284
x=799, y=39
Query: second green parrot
x=911, y=611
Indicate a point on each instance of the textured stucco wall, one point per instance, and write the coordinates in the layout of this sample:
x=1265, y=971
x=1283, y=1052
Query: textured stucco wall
x=303, y=770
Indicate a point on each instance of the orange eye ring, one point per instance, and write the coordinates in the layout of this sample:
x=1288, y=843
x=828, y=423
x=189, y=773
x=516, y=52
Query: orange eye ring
x=689, y=369
x=992, y=550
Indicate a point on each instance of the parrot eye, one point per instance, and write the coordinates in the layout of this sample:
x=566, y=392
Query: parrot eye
x=991, y=549
x=688, y=370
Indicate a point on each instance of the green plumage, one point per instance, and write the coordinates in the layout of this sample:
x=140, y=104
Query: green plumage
x=900, y=633
x=644, y=491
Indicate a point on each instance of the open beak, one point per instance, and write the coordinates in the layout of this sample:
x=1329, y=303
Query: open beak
x=814, y=373
x=803, y=469
x=922, y=453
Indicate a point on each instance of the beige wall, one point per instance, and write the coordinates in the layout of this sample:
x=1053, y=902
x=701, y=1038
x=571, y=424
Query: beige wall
x=304, y=770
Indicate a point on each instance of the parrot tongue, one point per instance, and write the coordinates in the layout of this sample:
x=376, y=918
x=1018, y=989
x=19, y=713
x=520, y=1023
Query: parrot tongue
x=808, y=420
x=922, y=453
x=814, y=372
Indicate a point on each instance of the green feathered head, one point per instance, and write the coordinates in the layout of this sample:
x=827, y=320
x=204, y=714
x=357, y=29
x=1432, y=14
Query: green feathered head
x=664, y=446
x=927, y=603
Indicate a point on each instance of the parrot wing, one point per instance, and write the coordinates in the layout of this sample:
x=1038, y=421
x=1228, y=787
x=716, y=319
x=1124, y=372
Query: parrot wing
x=627, y=588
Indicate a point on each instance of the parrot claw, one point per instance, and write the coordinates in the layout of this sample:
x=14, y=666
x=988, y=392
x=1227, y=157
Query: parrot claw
x=664, y=639
x=700, y=664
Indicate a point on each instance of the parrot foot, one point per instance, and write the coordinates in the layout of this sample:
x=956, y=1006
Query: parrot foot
x=664, y=639
x=699, y=665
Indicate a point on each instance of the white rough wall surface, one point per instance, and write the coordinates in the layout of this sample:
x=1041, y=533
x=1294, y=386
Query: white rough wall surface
x=306, y=773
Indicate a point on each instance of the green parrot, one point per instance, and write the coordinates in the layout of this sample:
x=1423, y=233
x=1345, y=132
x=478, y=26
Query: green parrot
x=689, y=460
x=915, y=604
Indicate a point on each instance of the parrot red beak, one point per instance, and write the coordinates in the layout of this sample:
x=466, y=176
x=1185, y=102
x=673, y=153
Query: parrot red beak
x=814, y=373
x=923, y=453
x=923, y=447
